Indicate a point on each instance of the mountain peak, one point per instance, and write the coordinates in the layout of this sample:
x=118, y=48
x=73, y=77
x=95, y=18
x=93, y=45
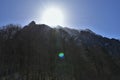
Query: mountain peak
x=32, y=23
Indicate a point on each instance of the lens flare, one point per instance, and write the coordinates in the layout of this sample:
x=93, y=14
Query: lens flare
x=61, y=55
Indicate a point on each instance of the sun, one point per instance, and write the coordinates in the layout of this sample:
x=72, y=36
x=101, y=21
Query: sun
x=53, y=16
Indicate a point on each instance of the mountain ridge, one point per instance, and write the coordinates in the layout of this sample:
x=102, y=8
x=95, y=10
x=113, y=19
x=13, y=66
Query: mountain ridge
x=31, y=53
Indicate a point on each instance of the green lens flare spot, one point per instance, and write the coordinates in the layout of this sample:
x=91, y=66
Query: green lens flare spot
x=61, y=55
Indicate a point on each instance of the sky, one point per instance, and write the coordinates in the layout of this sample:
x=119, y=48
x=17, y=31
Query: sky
x=100, y=16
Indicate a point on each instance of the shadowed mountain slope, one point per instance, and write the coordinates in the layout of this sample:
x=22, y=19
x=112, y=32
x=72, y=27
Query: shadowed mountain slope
x=31, y=53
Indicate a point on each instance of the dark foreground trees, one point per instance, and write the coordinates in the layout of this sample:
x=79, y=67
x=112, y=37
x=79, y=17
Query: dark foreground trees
x=31, y=53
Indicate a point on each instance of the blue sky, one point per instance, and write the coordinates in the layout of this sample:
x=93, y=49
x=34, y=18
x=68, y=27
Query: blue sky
x=101, y=16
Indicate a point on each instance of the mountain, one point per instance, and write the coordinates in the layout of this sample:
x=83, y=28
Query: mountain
x=32, y=53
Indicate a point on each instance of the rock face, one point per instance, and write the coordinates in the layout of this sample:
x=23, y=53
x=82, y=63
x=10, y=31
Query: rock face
x=32, y=54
